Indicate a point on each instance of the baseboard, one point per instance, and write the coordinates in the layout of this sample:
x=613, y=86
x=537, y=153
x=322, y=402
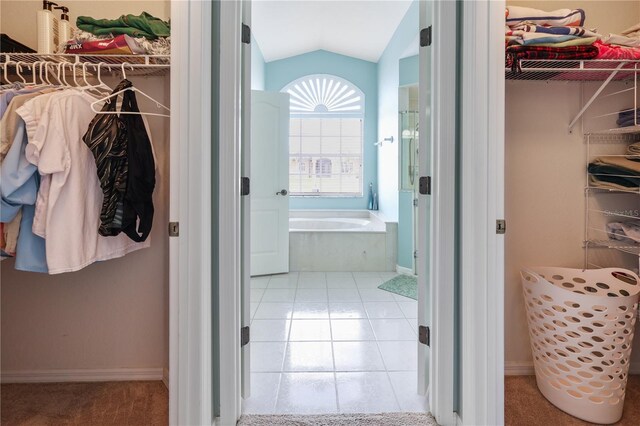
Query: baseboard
x=518, y=369
x=404, y=271
x=526, y=368
x=82, y=375
x=165, y=377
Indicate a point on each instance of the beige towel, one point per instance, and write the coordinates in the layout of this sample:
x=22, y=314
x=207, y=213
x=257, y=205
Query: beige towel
x=630, y=163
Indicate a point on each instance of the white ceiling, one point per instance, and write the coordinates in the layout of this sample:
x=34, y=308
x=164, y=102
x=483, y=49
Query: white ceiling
x=361, y=29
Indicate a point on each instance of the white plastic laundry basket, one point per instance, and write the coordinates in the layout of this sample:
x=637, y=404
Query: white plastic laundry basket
x=581, y=326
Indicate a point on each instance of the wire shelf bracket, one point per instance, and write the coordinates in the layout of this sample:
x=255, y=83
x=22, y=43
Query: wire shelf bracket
x=596, y=94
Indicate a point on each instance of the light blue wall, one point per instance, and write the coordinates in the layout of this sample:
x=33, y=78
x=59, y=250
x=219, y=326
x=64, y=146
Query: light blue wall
x=393, y=72
x=361, y=73
x=388, y=83
x=257, y=66
x=409, y=70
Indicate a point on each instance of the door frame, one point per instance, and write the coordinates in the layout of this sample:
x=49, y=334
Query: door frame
x=481, y=277
x=228, y=249
x=443, y=204
x=190, y=279
x=482, y=198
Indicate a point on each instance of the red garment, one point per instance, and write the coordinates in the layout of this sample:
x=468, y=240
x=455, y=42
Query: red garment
x=517, y=53
x=613, y=51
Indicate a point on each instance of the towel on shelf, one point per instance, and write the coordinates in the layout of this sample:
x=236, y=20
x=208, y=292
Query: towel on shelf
x=624, y=231
x=621, y=40
x=564, y=30
x=580, y=41
x=634, y=148
x=627, y=118
x=612, y=51
x=562, y=17
x=527, y=39
x=595, y=182
x=143, y=25
x=633, y=31
x=515, y=54
x=619, y=170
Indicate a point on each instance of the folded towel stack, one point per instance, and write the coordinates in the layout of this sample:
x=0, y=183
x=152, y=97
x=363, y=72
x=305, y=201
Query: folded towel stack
x=628, y=118
x=616, y=172
x=560, y=34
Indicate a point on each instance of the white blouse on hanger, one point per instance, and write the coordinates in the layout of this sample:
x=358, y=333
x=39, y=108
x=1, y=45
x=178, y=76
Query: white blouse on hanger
x=68, y=206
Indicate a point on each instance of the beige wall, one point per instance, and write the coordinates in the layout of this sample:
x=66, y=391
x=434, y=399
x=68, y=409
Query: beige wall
x=110, y=315
x=18, y=18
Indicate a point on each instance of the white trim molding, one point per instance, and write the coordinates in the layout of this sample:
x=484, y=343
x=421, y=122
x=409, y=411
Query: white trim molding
x=443, y=200
x=482, y=203
x=405, y=271
x=190, y=310
x=82, y=375
x=229, y=212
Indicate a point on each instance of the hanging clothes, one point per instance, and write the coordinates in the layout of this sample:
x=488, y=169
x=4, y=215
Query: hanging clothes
x=20, y=185
x=67, y=210
x=126, y=167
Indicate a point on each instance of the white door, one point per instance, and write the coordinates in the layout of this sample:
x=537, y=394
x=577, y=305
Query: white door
x=269, y=183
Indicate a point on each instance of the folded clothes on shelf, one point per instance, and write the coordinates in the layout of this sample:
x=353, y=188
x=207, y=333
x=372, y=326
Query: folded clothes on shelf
x=628, y=118
x=120, y=45
x=143, y=25
x=517, y=53
x=612, y=51
x=159, y=46
x=624, y=231
x=615, y=172
x=516, y=15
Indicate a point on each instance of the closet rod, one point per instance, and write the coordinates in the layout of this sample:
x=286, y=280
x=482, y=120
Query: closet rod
x=142, y=65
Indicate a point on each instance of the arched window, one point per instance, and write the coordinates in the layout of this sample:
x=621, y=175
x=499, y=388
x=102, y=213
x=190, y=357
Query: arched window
x=325, y=136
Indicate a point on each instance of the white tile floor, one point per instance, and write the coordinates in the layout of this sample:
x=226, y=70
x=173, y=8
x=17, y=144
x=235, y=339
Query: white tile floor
x=332, y=343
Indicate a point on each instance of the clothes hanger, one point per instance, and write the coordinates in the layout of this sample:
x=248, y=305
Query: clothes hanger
x=75, y=75
x=133, y=89
x=101, y=88
x=6, y=71
x=18, y=71
x=62, y=74
x=36, y=70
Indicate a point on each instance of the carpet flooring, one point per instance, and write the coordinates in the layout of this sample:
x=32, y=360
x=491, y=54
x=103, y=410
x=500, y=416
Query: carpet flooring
x=525, y=405
x=404, y=285
x=146, y=403
x=108, y=403
x=385, y=419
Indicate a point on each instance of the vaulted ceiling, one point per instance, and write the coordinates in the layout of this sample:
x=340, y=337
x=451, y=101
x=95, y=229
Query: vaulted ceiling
x=360, y=29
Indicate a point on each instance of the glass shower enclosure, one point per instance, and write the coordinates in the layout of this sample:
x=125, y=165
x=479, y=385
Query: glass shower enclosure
x=409, y=131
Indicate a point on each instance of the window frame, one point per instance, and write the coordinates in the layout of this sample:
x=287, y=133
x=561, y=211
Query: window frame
x=344, y=101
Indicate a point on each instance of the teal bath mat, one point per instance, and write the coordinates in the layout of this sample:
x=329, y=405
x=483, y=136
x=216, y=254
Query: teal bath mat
x=404, y=285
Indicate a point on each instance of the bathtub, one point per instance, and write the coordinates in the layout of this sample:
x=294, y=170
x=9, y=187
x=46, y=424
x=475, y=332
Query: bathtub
x=341, y=240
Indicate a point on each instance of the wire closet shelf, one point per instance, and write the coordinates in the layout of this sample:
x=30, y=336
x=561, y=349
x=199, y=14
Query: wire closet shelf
x=136, y=65
x=574, y=70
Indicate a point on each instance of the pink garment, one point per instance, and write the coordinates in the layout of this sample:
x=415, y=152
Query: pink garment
x=612, y=51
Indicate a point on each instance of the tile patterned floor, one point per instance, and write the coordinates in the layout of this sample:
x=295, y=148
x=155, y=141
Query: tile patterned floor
x=332, y=343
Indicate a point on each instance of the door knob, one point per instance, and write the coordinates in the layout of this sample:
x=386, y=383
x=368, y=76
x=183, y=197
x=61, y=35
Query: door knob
x=282, y=192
